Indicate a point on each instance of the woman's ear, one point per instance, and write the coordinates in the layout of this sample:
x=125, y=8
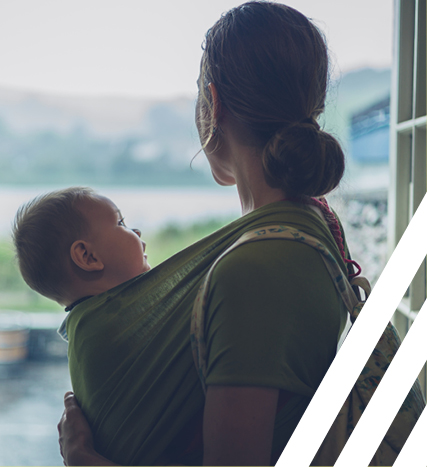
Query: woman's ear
x=216, y=103
x=82, y=255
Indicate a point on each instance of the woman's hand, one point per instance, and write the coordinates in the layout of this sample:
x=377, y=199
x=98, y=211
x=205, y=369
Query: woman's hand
x=75, y=436
x=238, y=425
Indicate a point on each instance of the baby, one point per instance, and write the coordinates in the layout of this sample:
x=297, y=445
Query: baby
x=73, y=244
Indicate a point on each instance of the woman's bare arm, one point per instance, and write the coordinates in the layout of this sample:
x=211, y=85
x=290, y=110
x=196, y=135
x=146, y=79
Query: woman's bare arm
x=238, y=425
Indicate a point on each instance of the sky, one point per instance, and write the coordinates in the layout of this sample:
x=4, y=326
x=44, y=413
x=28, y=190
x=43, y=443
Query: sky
x=152, y=49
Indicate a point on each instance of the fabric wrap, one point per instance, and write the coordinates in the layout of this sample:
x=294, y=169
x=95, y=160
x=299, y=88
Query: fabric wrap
x=130, y=355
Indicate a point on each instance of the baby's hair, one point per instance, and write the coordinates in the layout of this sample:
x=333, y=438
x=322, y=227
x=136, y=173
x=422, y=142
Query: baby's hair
x=43, y=231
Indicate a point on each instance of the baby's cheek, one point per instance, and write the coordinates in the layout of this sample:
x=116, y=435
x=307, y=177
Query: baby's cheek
x=146, y=267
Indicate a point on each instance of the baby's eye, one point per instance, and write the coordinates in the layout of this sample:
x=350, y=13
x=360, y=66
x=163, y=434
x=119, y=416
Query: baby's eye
x=122, y=222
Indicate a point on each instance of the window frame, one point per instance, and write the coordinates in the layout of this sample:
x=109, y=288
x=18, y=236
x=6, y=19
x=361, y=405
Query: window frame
x=408, y=159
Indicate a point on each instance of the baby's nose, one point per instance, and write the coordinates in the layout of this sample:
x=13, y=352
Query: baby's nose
x=137, y=231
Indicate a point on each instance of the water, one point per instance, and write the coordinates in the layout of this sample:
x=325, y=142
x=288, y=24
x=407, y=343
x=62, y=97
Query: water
x=143, y=208
x=150, y=208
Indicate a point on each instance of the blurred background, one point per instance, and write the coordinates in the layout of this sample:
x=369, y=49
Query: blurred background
x=102, y=94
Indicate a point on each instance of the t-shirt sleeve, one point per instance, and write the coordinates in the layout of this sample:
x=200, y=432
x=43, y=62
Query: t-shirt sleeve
x=273, y=318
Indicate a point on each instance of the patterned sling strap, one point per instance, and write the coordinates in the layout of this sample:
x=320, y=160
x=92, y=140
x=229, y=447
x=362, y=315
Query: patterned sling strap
x=368, y=380
x=271, y=232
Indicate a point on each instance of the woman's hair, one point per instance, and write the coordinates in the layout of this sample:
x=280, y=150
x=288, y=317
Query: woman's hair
x=43, y=232
x=269, y=64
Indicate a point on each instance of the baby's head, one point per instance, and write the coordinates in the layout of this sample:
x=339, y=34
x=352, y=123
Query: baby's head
x=72, y=243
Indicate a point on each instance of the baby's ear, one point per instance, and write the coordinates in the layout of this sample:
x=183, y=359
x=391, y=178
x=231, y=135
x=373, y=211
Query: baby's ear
x=84, y=257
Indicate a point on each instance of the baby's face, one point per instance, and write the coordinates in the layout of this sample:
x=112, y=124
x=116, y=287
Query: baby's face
x=120, y=248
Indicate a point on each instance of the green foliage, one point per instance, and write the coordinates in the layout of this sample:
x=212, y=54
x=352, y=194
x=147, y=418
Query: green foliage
x=10, y=278
x=16, y=295
x=27, y=300
x=172, y=238
x=14, y=292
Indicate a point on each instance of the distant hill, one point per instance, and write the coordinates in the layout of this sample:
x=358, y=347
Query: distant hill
x=54, y=139
x=101, y=116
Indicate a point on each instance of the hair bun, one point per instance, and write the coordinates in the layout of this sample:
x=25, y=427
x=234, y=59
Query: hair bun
x=309, y=121
x=301, y=159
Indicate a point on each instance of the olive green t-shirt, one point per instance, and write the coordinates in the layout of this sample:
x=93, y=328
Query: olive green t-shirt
x=274, y=319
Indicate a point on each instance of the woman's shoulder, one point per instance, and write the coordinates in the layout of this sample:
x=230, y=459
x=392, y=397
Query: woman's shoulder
x=266, y=255
x=271, y=270
x=309, y=220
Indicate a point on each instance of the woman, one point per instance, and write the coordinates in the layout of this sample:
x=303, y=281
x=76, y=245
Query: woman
x=274, y=317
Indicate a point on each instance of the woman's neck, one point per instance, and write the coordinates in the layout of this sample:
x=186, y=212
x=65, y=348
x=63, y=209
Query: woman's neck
x=254, y=192
x=252, y=199
x=239, y=156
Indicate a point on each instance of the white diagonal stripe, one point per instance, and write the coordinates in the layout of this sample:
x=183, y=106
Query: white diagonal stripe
x=414, y=452
x=355, y=351
x=388, y=397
